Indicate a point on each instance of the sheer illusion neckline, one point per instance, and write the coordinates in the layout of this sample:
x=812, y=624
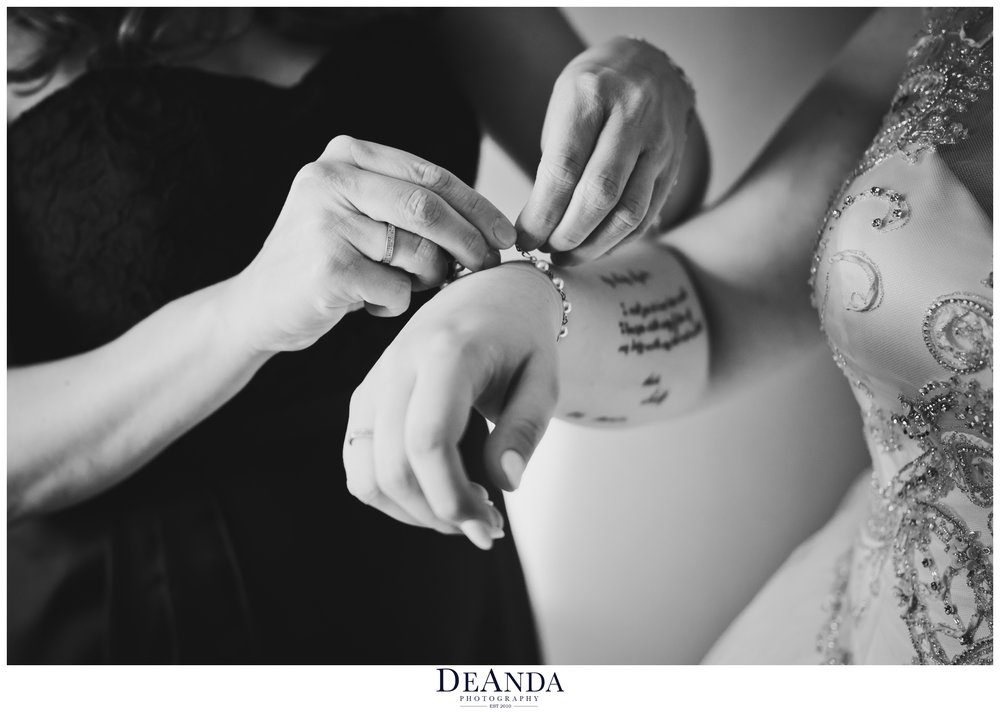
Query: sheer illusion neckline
x=76, y=89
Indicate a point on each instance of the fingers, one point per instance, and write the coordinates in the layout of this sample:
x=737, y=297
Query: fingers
x=393, y=474
x=626, y=220
x=415, y=209
x=384, y=290
x=382, y=464
x=530, y=405
x=418, y=256
x=360, y=468
x=572, y=126
x=600, y=188
x=494, y=227
x=360, y=465
x=437, y=415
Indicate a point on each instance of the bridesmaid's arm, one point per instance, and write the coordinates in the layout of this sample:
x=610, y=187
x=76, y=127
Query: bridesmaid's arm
x=508, y=60
x=79, y=425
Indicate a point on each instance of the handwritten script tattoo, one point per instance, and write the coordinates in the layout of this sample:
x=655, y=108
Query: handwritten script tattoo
x=578, y=415
x=672, y=321
x=656, y=398
x=629, y=279
x=658, y=395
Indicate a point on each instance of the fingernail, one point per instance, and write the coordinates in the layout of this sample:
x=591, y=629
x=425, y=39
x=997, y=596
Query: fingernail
x=504, y=233
x=526, y=242
x=478, y=533
x=492, y=259
x=512, y=465
x=496, y=518
x=483, y=492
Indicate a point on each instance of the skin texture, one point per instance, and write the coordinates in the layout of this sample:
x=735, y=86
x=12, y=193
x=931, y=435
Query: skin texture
x=655, y=329
x=618, y=132
x=321, y=260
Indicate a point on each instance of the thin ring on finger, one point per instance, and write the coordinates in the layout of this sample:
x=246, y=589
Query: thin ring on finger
x=359, y=434
x=393, y=472
x=390, y=243
x=359, y=468
x=392, y=246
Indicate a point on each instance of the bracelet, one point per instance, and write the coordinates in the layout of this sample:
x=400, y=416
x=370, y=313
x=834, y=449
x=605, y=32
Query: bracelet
x=543, y=266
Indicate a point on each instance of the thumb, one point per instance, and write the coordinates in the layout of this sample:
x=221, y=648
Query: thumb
x=531, y=403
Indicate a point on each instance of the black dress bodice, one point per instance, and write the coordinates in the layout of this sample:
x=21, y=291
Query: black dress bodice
x=135, y=185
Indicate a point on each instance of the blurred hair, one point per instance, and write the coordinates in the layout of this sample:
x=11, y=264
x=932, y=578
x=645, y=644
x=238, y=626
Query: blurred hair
x=109, y=35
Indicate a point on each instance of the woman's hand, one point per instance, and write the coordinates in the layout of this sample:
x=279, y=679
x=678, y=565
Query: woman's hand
x=612, y=145
x=326, y=254
x=473, y=345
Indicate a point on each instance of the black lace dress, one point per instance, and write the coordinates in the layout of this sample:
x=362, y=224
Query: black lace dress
x=239, y=543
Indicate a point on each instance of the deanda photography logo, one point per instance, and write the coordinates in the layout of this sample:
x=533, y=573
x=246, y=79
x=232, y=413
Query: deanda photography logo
x=497, y=689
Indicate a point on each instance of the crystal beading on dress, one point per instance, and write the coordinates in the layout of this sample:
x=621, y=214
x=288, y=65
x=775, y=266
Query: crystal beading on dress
x=913, y=334
x=947, y=71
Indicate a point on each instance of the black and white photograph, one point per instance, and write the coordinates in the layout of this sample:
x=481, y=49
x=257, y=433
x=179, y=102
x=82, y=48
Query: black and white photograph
x=499, y=348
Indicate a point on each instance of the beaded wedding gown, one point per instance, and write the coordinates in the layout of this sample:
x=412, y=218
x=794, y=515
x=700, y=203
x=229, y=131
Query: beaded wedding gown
x=902, y=280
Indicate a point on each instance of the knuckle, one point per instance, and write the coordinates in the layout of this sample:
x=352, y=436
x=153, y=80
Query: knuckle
x=546, y=221
x=311, y=174
x=341, y=145
x=423, y=207
x=396, y=482
x=476, y=203
x=628, y=215
x=474, y=243
x=343, y=260
x=450, y=344
x=590, y=84
x=432, y=176
x=424, y=440
x=562, y=170
x=530, y=431
x=425, y=252
x=602, y=192
x=327, y=178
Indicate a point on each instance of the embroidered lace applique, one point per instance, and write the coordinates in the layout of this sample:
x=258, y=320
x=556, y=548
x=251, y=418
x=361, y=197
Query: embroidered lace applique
x=947, y=71
x=948, y=68
x=938, y=558
x=922, y=543
x=958, y=331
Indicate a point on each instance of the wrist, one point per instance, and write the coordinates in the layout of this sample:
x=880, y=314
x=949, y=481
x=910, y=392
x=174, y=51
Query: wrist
x=233, y=332
x=548, y=289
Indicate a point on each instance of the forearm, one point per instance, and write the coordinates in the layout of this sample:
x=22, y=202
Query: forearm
x=507, y=60
x=637, y=348
x=747, y=258
x=79, y=425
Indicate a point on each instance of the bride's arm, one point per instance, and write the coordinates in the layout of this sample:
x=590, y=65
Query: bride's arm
x=79, y=425
x=725, y=296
